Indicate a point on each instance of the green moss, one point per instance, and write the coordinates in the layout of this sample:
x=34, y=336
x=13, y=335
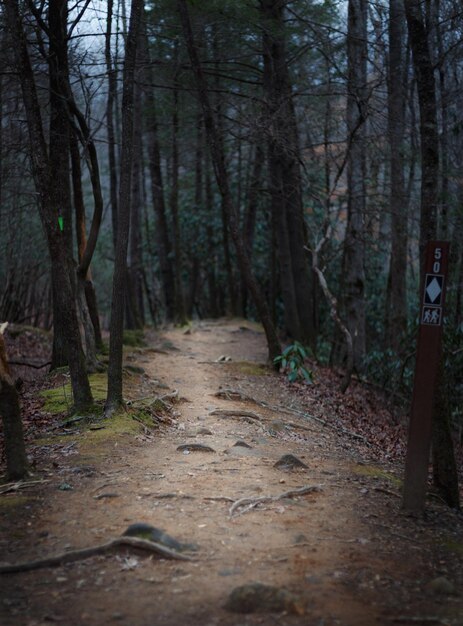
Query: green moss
x=133, y=338
x=143, y=416
x=120, y=424
x=59, y=399
x=250, y=368
x=377, y=472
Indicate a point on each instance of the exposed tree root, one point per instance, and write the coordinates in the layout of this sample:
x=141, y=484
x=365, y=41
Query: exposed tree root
x=85, y=553
x=232, y=394
x=236, y=413
x=247, y=504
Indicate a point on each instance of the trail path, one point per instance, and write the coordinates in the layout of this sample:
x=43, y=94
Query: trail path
x=345, y=550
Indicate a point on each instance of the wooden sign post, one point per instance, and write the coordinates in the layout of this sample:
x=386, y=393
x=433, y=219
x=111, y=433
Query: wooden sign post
x=427, y=365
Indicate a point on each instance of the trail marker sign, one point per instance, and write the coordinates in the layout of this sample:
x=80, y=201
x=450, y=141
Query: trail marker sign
x=427, y=365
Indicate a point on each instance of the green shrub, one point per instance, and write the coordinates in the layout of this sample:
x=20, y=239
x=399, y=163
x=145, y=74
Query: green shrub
x=291, y=362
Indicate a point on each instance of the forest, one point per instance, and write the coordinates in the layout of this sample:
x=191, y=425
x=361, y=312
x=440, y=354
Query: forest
x=234, y=199
x=281, y=161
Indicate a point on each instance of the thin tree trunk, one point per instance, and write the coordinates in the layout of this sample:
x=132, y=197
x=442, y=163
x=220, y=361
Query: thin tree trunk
x=218, y=160
x=115, y=398
x=180, y=313
x=354, y=244
x=164, y=248
x=232, y=300
x=396, y=313
x=250, y=216
x=85, y=286
x=214, y=310
x=134, y=295
x=111, y=100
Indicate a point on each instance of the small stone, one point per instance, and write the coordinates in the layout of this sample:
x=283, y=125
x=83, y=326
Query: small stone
x=204, y=431
x=289, y=462
x=441, y=586
x=194, y=447
x=260, y=598
x=242, y=444
x=276, y=426
x=65, y=487
x=229, y=571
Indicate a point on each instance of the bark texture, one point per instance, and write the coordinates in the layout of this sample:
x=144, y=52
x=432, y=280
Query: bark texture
x=49, y=198
x=354, y=244
x=115, y=397
x=15, y=449
x=396, y=313
x=285, y=176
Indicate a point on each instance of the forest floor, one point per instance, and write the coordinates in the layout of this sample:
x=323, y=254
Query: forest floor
x=344, y=552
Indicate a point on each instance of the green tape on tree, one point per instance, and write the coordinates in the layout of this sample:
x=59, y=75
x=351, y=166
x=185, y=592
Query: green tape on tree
x=61, y=223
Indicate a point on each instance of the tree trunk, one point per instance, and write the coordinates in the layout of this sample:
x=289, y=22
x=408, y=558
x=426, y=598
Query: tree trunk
x=396, y=313
x=59, y=155
x=85, y=284
x=354, y=244
x=15, y=449
x=445, y=474
x=429, y=138
x=232, y=300
x=250, y=216
x=444, y=469
x=218, y=160
x=111, y=101
x=115, y=398
x=213, y=308
x=285, y=157
x=62, y=271
x=164, y=248
x=180, y=313
x=134, y=295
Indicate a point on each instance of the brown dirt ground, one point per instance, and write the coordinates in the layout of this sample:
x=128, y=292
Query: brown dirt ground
x=351, y=554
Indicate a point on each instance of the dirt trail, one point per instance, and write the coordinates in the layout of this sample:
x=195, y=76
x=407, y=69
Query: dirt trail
x=337, y=548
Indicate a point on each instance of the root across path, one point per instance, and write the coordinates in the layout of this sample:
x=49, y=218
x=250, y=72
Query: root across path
x=318, y=541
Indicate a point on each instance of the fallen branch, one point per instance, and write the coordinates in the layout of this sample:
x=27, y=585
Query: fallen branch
x=250, y=503
x=85, y=553
x=8, y=488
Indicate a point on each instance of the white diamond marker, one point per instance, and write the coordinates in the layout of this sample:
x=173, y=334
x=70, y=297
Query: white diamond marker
x=433, y=290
